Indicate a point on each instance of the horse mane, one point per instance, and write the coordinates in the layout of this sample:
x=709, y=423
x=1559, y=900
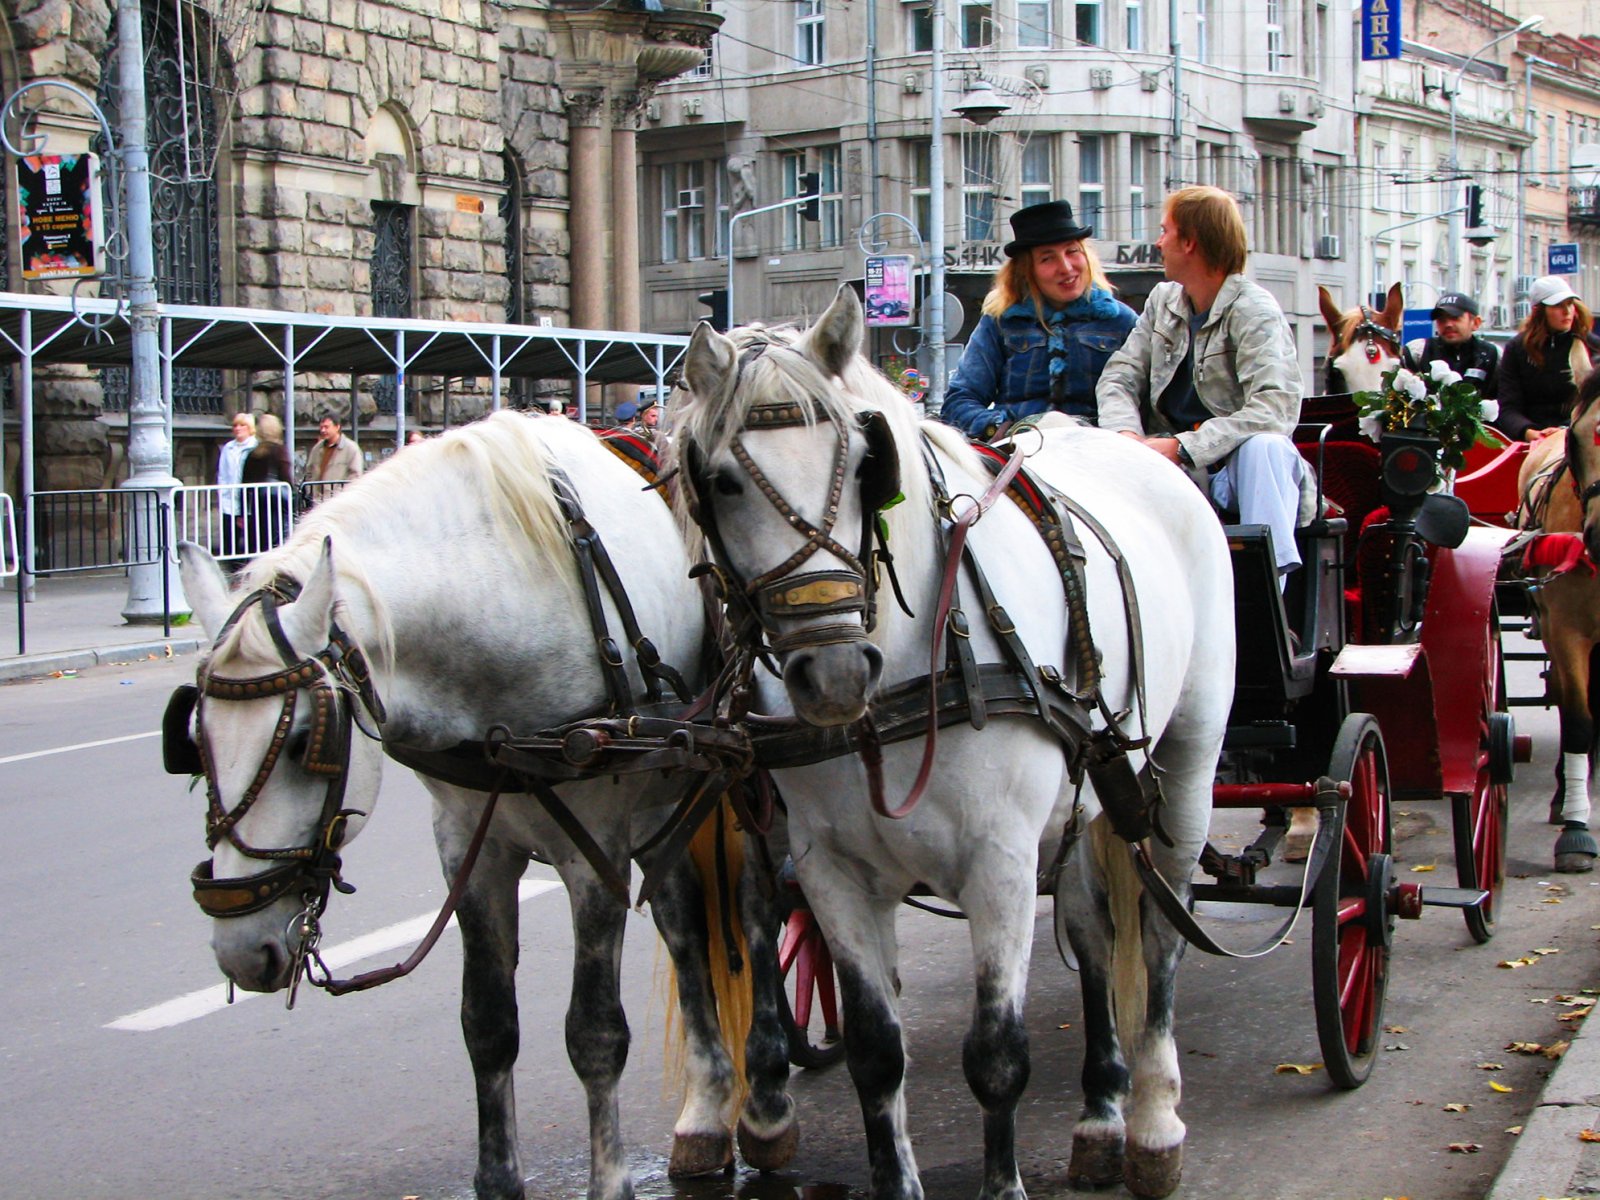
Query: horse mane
x=503, y=461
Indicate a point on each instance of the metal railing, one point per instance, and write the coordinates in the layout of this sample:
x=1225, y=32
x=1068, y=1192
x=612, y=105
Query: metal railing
x=10, y=548
x=234, y=521
x=315, y=491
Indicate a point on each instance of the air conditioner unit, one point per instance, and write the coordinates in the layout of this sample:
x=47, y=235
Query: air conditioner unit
x=1432, y=80
x=1499, y=316
x=1328, y=246
x=692, y=106
x=692, y=198
x=1523, y=285
x=1100, y=78
x=1520, y=311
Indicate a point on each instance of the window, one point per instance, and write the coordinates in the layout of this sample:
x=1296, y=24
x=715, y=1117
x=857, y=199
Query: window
x=1408, y=189
x=1380, y=177
x=810, y=47
x=1141, y=167
x=921, y=28
x=511, y=214
x=1202, y=31
x=1550, y=147
x=684, y=211
x=921, y=187
x=1133, y=11
x=977, y=23
x=1277, y=213
x=1033, y=22
x=1036, y=187
x=825, y=161
x=978, y=187
x=1275, y=54
x=719, y=245
x=1088, y=27
x=1091, y=180
x=829, y=166
x=1327, y=210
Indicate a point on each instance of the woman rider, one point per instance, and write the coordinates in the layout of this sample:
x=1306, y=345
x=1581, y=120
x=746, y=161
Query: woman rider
x=1049, y=324
x=1545, y=363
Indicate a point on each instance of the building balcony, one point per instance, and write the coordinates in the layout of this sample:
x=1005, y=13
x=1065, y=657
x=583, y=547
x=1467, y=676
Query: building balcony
x=1282, y=105
x=1583, y=205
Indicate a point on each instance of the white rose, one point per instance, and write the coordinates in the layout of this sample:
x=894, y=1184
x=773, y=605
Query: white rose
x=1411, y=386
x=1488, y=410
x=1438, y=368
x=1445, y=377
x=1372, y=426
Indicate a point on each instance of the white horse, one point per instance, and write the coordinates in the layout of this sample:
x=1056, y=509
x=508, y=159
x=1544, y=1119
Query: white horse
x=788, y=441
x=451, y=569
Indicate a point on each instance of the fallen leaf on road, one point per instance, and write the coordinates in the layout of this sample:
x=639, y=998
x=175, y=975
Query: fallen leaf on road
x=1457, y=1107
x=1540, y=1000
x=1577, y=1014
x=1465, y=1147
x=1524, y=1047
x=1569, y=1001
x=1511, y=964
x=1296, y=1068
x=1395, y=1029
x=1514, y=1130
x=1543, y=950
x=1589, y=1135
x=1065, y=1025
x=1491, y=1066
x=1551, y=900
x=1426, y=867
x=1556, y=1049
x=1500, y=1087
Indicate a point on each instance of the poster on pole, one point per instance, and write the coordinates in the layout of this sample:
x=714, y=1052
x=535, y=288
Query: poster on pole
x=887, y=279
x=58, y=215
x=1380, y=30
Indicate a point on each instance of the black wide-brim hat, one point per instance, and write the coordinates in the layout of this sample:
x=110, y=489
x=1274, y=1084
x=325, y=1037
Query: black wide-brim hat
x=1044, y=224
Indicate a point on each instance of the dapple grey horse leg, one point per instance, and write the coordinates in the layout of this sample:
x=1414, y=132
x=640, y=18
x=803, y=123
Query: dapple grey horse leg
x=701, y=1141
x=488, y=917
x=769, y=1129
x=1083, y=915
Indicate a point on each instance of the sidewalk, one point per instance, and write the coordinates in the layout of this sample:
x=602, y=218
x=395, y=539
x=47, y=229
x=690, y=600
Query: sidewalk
x=75, y=622
x=1550, y=1159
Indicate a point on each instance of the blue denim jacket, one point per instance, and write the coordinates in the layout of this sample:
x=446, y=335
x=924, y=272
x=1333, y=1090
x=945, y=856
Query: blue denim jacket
x=1005, y=370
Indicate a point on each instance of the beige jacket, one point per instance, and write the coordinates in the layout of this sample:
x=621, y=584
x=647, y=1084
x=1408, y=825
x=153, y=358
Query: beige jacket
x=1246, y=371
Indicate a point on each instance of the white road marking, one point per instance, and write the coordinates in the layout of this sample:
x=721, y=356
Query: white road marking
x=132, y=737
x=209, y=1000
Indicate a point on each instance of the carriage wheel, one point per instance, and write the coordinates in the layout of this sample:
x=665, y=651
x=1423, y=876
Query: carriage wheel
x=1352, y=923
x=808, y=1001
x=1480, y=819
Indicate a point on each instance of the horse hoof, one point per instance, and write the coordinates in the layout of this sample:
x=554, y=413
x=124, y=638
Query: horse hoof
x=768, y=1153
x=1096, y=1162
x=700, y=1154
x=1153, y=1173
x=1575, y=850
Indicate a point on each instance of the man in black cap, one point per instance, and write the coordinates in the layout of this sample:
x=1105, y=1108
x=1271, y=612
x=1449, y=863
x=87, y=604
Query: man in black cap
x=1455, y=342
x=1049, y=324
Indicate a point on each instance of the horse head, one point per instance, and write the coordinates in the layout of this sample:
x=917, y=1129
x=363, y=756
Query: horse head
x=288, y=780
x=787, y=468
x=1365, y=344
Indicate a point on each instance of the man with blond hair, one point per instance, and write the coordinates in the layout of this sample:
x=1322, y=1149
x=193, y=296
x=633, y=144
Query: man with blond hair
x=1209, y=377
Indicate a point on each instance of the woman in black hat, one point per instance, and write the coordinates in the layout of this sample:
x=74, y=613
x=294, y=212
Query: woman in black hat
x=1049, y=324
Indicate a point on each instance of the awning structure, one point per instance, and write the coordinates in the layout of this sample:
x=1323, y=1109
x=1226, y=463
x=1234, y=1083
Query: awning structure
x=95, y=332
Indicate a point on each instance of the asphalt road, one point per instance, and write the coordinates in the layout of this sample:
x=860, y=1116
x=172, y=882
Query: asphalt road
x=124, y=1076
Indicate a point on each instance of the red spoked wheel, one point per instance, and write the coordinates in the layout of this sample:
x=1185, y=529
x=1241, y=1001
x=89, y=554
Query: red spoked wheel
x=1479, y=820
x=808, y=1001
x=1352, y=921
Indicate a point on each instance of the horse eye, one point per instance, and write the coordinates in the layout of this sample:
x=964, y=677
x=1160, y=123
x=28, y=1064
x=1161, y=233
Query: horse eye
x=297, y=746
x=727, y=485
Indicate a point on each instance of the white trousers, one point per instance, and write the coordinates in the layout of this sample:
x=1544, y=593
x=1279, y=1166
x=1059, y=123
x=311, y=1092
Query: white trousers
x=1262, y=479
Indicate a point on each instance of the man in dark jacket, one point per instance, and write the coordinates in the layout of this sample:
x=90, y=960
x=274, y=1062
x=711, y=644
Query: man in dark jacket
x=1455, y=340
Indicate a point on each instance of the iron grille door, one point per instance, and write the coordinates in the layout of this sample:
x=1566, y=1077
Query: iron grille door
x=391, y=282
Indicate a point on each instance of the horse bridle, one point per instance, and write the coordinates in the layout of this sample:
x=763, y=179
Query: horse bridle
x=784, y=592
x=329, y=677
x=1586, y=492
x=1370, y=328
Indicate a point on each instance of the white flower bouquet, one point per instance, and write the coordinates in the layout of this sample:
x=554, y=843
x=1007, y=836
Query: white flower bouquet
x=1439, y=403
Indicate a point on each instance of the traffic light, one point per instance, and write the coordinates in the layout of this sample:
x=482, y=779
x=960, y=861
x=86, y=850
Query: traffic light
x=811, y=190
x=1474, y=206
x=717, y=301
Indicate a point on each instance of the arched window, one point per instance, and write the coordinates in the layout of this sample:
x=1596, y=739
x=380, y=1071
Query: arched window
x=511, y=213
x=183, y=202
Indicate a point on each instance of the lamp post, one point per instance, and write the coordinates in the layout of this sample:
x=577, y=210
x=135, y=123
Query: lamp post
x=1455, y=161
x=932, y=320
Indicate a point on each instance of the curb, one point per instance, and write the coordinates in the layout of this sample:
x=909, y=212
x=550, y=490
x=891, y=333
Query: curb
x=30, y=666
x=1550, y=1159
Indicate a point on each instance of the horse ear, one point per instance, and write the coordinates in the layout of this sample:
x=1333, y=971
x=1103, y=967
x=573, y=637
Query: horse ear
x=836, y=337
x=306, y=622
x=205, y=586
x=1331, y=313
x=1394, y=307
x=709, y=362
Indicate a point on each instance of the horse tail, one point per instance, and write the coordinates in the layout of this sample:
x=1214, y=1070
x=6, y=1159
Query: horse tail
x=1129, y=981
x=717, y=853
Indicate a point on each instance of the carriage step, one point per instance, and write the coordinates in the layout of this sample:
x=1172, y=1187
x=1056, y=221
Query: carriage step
x=1449, y=897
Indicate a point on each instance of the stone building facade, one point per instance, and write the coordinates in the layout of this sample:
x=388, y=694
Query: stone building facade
x=371, y=157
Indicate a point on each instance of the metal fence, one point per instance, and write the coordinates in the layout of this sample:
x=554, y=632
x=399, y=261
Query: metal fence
x=315, y=491
x=10, y=548
x=235, y=521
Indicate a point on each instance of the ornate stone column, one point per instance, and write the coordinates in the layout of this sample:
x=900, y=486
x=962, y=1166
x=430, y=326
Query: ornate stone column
x=589, y=215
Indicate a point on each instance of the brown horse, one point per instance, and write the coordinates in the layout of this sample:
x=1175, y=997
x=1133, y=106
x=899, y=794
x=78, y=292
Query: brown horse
x=1558, y=485
x=1366, y=343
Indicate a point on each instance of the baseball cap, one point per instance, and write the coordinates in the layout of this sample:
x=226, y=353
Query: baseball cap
x=1550, y=289
x=1453, y=304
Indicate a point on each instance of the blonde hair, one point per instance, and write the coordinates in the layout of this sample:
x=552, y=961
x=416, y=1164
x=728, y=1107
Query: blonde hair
x=269, y=428
x=1013, y=281
x=1211, y=217
x=244, y=418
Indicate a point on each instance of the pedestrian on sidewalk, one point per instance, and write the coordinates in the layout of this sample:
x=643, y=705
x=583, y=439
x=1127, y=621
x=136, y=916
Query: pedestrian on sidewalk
x=230, y=473
x=268, y=509
x=335, y=458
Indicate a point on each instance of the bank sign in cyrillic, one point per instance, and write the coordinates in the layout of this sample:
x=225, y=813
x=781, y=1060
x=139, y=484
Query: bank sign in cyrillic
x=1380, y=29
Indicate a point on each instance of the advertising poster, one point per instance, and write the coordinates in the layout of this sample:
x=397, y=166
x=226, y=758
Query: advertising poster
x=888, y=289
x=58, y=205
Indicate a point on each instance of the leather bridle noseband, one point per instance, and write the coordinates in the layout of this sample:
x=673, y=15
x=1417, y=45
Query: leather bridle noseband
x=1370, y=328
x=329, y=678
x=1586, y=492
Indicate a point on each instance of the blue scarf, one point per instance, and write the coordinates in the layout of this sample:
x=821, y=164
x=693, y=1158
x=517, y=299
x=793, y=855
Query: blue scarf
x=1096, y=304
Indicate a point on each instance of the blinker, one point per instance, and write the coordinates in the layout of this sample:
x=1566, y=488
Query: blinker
x=179, y=754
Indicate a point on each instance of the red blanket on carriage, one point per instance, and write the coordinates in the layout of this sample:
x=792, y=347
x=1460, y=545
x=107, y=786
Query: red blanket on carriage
x=1557, y=553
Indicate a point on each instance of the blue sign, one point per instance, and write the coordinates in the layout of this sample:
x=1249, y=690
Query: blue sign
x=1564, y=258
x=1380, y=30
x=1416, y=323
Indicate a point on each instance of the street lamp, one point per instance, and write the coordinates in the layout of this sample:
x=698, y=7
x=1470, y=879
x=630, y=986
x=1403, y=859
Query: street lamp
x=1455, y=161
